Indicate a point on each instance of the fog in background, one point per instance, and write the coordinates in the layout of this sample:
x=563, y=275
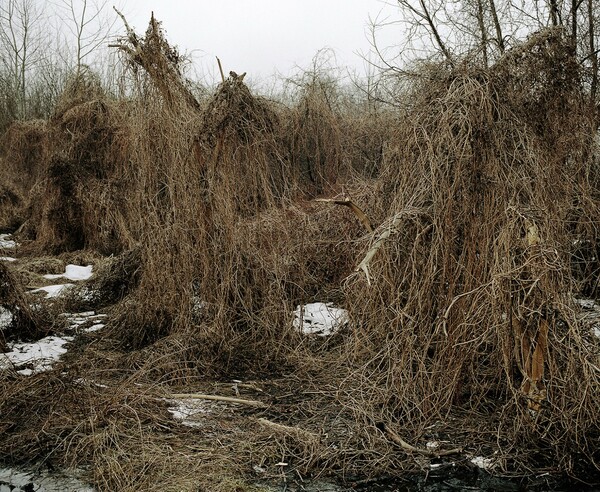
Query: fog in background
x=267, y=37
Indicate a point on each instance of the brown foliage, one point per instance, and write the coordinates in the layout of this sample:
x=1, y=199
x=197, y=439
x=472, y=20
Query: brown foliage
x=470, y=302
x=26, y=323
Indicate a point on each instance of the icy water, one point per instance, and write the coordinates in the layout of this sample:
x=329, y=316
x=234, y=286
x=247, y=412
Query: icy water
x=13, y=480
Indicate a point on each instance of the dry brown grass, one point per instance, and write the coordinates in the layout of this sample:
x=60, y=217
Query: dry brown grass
x=483, y=190
x=27, y=323
x=470, y=309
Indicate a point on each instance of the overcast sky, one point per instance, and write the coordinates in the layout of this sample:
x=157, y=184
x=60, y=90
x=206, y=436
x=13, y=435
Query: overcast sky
x=263, y=37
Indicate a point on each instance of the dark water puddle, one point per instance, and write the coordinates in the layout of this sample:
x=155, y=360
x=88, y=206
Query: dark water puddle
x=448, y=481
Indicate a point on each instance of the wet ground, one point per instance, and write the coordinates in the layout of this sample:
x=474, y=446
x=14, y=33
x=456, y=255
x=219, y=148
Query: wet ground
x=443, y=481
x=13, y=480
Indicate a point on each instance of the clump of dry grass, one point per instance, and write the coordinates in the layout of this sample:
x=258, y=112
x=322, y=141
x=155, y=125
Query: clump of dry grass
x=26, y=323
x=313, y=134
x=23, y=147
x=482, y=191
x=122, y=435
x=77, y=199
x=468, y=307
x=11, y=204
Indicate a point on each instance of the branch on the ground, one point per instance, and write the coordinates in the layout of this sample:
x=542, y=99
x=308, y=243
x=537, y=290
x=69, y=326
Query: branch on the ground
x=395, y=438
x=228, y=399
x=286, y=429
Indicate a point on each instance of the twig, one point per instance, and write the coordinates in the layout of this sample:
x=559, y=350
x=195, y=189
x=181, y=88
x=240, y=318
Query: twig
x=220, y=69
x=346, y=202
x=412, y=449
x=460, y=296
x=229, y=399
x=364, y=264
x=287, y=429
x=130, y=32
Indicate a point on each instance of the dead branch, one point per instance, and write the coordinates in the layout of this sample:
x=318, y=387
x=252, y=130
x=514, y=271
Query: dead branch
x=228, y=399
x=346, y=202
x=412, y=449
x=286, y=429
x=220, y=69
x=391, y=228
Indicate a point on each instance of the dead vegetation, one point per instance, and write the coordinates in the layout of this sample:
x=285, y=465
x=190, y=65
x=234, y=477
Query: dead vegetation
x=482, y=196
x=469, y=306
x=25, y=322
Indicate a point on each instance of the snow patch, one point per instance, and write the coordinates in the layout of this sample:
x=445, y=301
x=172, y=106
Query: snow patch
x=95, y=327
x=53, y=290
x=591, y=314
x=319, y=318
x=76, y=320
x=483, y=463
x=587, y=303
x=187, y=411
x=6, y=318
x=12, y=479
x=38, y=356
x=7, y=258
x=73, y=272
x=6, y=243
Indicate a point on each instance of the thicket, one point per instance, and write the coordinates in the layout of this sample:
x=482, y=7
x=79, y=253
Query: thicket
x=482, y=190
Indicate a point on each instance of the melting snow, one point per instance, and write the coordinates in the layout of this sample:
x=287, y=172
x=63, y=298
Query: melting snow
x=95, y=327
x=483, y=463
x=53, y=290
x=591, y=314
x=12, y=479
x=78, y=319
x=73, y=272
x=6, y=243
x=39, y=356
x=7, y=258
x=188, y=410
x=6, y=318
x=319, y=318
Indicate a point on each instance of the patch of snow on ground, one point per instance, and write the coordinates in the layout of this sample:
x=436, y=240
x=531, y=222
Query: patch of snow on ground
x=53, y=290
x=483, y=463
x=7, y=258
x=187, y=411
x=77, y=319
x=73, y=272
x=95, y=327
x=39, y=356
x=6, y=318
x=319, y=318
x=591, y=314
x=587, y=303
x=6, y=243
x=12, y=479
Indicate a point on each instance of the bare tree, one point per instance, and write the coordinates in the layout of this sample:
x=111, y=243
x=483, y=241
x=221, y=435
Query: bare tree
x=20, y=48
x=89, y=23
